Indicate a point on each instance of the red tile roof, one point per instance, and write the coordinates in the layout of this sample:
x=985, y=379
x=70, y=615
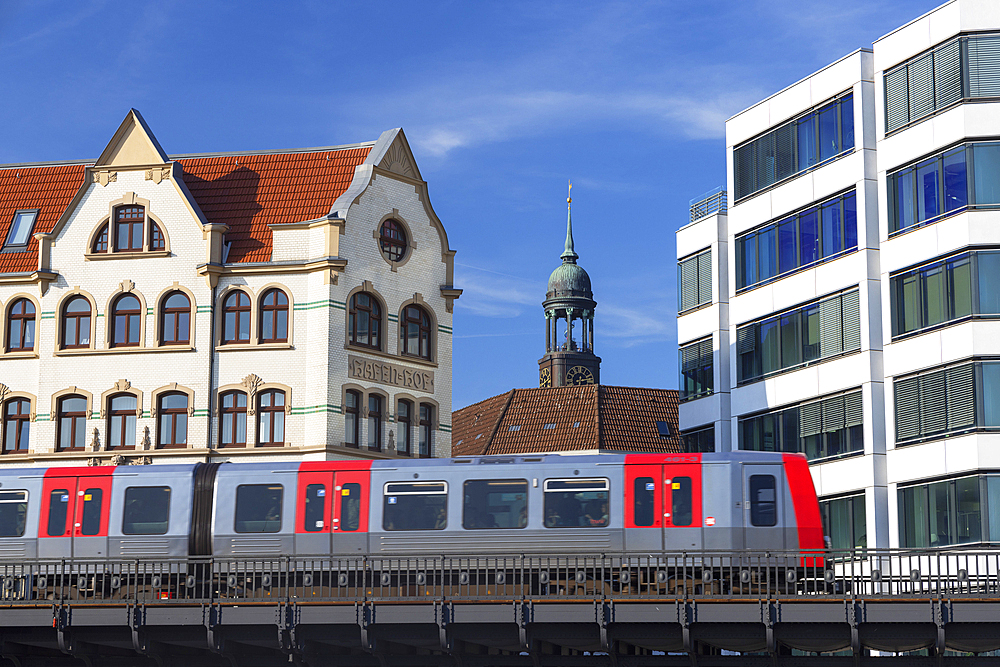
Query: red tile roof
x=49, y=189
x=578, y=418
x=250, y=192
x=246, y=192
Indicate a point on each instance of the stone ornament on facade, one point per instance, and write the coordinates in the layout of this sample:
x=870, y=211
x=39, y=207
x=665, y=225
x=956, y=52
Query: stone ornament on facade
x=4, y=390
x=105, y=177
x=147, y=442
x=126, y=285
x=95, y=441
x=252, y=382
x=158, y=174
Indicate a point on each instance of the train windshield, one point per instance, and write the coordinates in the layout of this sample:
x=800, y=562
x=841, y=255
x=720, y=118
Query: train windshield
x=495, y=503
x=415, y=506
x=576, y=503
x=13, y=513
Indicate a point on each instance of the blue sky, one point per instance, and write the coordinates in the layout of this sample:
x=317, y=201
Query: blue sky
x=501, y=102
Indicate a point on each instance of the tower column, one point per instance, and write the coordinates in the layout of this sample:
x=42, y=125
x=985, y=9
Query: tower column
x=548, y=331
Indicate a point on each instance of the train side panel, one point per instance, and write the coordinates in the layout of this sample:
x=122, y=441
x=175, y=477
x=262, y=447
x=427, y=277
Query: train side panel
x=151, y=511
x=254, y=510
x=20, y=507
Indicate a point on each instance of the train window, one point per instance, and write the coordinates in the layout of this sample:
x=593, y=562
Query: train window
x=415, y=506
x=147, y=510
x=90, y=522
x=312, y=521
x=576, y=503
x=680, y=501
x=350, y=506
x=58, y=508
x=13, y=513
x=258, y=508
x=644, y=509
x=495, y=503
x=763, y=501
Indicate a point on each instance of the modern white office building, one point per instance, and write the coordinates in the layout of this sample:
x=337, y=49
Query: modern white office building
x=842, y=300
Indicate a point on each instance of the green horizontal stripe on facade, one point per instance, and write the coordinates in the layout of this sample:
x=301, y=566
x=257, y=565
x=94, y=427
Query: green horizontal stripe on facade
x=445, y=427
x=204, y=309
x=313, y=409
x=393, y=318
x=44, y=417
x=201, y=413
x=444, y=329
x=149, y=311
x=328, y=303
x=48, y=314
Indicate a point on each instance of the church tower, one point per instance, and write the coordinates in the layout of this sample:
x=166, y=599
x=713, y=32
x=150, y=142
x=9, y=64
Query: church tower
x=569, y=321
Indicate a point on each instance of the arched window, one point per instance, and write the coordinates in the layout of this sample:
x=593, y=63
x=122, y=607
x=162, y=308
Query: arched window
x=156, y=240
x=274, y=317
x=234, y=419
x=121, y=421
x=352, y=402
x=374, y=422
x=236, y=318
x=415, y=332
x=426, y=429
x=175, y=320
x=271, y=418
x=125, y=322
x=76, y=323
x=172, y=418
x=392, y=240
x=72, y=423
x=364, y=321
x=128, y=228
x=101, y=240
x=16, y=425
x=404, y=415
x=21, y=326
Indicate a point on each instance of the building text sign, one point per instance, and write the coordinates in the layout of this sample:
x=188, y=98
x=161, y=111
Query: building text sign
x=386, y=373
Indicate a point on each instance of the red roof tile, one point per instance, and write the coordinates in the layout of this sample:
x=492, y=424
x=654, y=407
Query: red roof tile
x=578, y=418
x=49, y=189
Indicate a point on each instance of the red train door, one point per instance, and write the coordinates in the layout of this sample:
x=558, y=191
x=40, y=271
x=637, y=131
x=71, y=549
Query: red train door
x=350, y=511
x=644, y=507
x=682, y=519
x=74, y=516
x=313, y=512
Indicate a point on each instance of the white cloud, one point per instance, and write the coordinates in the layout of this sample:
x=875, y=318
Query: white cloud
x=493, y=294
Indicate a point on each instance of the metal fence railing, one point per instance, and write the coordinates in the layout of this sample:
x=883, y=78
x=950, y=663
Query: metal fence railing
x=709, y=203
x=457, y=578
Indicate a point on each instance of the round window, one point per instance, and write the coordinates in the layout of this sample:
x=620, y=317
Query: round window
x=392, y=241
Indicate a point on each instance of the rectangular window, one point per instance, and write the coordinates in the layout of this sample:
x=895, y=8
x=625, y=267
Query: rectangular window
x=800, y=144
x=350, y=506
x=315, y=508
x=20, y=230
x=947, y=401
x=813, y=332
x=696, y=369
x=13, y=513
x=90, y=522
x=844, y=522
x=694, y=281
x=813, y=235
x=58, y=510
x=415, y=506
x=944, y=513
x=763, y=500
x=680, y=501
x=258, y=508
x=147, y=510
x=576, y=503
x=702, y=440
x=495, y=503
x=644, y=501
x=827, y=428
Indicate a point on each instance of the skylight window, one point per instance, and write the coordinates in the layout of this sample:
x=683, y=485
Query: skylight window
x=20, y=229
x=515, y=427
x=576, y=424
x=664, y=429
x=548, y=426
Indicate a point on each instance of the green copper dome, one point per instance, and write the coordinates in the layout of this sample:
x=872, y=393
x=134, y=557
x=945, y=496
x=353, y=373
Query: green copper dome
x=569, y=279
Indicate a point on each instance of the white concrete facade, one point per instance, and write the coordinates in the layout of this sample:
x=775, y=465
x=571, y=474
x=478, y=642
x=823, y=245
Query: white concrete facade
x=318, y=264
x=881, y=468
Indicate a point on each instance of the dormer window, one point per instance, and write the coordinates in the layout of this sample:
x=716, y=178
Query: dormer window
x=20, y=231
x=129, y=221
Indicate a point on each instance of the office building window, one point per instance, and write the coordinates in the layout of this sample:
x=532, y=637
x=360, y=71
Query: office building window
x=696, y=369
x=951, y=511
x=801, y=144
x=827, y=428
x=694, y=280
x=702, y=440
x=806, y=238
x=844, y=522
x=953, y=181
x=947, y=401
x=809, y=334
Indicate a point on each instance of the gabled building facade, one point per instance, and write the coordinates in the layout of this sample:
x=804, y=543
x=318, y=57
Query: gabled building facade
x=238, y=306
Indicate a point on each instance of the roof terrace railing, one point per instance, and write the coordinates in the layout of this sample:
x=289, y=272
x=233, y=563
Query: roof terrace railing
x=710, y=203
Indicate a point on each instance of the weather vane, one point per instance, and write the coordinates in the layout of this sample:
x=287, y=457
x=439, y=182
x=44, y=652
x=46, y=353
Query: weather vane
x=569, y=197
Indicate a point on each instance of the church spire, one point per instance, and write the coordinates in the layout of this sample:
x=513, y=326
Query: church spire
x=569, y=255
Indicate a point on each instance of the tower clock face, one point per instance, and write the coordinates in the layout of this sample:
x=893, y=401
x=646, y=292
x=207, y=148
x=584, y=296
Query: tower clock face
x=545, y=378
x=579, y=375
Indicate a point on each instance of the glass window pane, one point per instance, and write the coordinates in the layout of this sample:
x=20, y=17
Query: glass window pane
x=806, y=131
x=829, y=144
x=939, y=507
x=933, y=283
x=414, y=511
x=850, y=221
x=810, y=333
x=13, y=513
x=680, y=501
x=644, y=499
x=244, y=325
x=847, y=123
x=986, y=167
x=90, y=523
x=767, y=244
x=928, y=184
x=988, y=268
x=809, y=237
x=763, y=500
x=748, y=260
x=147, y=510
x=960, y=287
x=787, y=250
x=956, y=187
x=991, y=397
x=258, y=508
x=495, y=504
x=903, y=199
x=791, y=346
x=993, y=494
x=969, y=518
x=312, y=519
x=833, y=237
x=770, y=350
x=350, y=506
x=58, y=510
